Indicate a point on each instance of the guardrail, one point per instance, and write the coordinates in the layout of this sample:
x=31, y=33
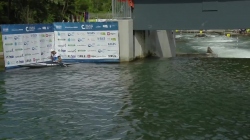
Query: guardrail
x=121, y=9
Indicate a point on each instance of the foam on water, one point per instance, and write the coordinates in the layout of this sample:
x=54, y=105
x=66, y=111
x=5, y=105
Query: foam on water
x=226, y=47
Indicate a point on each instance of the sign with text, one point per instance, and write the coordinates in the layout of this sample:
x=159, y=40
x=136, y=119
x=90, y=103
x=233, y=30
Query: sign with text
x=25, y=44
x=94, y=40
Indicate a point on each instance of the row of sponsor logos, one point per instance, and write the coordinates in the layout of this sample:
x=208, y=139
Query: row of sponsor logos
x=26, y=36
x=23, y=61
x=26, y=49
x=63, y=34
x=84, y=26
x=25, y=55
x=50, y=40
x=87, y=39
x=75, y=50
x=89, y=45
x=26, y=43
x=27, y=28
x=89, y=56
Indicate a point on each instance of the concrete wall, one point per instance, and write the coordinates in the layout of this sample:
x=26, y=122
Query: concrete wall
x=159, y=42
x=141, y=43
x=191, y=14
x=126, y=40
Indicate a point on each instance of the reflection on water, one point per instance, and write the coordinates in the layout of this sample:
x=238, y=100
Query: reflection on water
x=175, y=98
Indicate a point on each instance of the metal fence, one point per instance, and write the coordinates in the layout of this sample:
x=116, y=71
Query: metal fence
x=121, y=9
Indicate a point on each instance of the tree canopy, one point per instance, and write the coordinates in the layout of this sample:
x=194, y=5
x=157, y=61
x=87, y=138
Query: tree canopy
x=48, y=11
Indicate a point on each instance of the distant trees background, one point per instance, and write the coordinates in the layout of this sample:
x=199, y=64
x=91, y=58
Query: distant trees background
x=48, y=11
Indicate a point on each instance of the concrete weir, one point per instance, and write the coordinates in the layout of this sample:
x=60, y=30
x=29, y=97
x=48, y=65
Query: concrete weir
x=136, y=44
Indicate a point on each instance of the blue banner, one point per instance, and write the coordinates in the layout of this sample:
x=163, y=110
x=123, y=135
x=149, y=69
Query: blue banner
x=26, y=28
x=83, y=26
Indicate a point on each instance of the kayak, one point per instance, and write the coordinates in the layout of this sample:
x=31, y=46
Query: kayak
x=42, y=65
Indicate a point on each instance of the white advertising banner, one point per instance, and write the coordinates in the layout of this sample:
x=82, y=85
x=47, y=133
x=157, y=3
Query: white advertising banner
x=97, y=40
x=22, y=44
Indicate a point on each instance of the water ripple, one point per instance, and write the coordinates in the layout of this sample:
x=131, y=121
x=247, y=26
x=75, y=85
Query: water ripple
x=151, y=99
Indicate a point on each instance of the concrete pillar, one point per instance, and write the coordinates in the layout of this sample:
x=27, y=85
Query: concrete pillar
x=126, y=40
x=161, y=43
x=140, y=50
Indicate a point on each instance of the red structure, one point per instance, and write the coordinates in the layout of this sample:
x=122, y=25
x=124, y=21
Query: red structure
x=130, y=2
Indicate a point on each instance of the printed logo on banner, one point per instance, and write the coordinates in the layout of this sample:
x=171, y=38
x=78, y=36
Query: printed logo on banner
x=105, y=26
x=26, y=49
x=71, y=39
x=33, y=35
x=61, y=50
x=72, y=50
x=110, y=33
x=34, y=48
x=18, y=56
x=111, y=44
x=91, y=39
x=80, y=55
x=20, y=62
x=31, y=28
x=8, y=51
x=88, y=26
x=28, y=54
x=49, y=45
x=72, y=56
x=42, y=40
x=18, y=43
x=111, y=55
x=71, y=45
x=91, y=45
x=25, y=43
x=8, y=44
x=102, y=33
x=82, y=45
x=91, y=33
x=16, y=37
x=91, y=50
x=59, y=39
x=100, y=51
x=19, y=49
x=112, y=39
x=101, y=39
x=61, y=34
x=10, y=56
x=71, y=34
x=62, y=45
x=81, y=34
x=81, y=50
x=5, y=29
x=81, y=39
x=33, y=42
x=35, y=53
x=28, y=60
x=58, y=26
x=8, y=37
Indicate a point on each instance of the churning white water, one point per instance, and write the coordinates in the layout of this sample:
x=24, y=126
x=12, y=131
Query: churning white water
x=227, y=47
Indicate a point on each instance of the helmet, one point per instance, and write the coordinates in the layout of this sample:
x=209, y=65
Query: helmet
x=52, y=50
